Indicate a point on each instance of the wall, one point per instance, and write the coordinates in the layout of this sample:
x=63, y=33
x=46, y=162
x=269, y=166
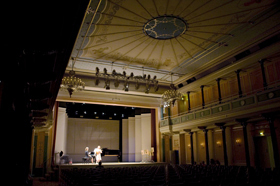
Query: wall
x=250, y=79
x=90, y=133
x=136, y=137
x=218, y=147
x=61, y=131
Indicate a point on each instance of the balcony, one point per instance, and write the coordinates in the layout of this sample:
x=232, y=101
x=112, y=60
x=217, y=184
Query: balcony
x=228, y=110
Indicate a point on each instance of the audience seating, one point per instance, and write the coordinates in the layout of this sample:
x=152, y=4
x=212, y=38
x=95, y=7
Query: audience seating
x=161, y=175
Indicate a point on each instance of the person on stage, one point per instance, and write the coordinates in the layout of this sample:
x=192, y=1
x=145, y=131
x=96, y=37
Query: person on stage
x=97, y=152
x=87, y=153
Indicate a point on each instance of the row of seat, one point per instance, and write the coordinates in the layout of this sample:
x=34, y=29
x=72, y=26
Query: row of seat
x=171, y=174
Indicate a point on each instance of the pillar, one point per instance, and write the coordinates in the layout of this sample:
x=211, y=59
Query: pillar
x=219, y=89
x=211, y=144
x=189, y=102
x=229, y=144
x=206, y=143
x=243, y=123
x=261, y=61
x=222, y=126
x=182, y=150
x=191, y=144
x=192, y=147
x=202, y=96
x=270, y=118
x=238, y=81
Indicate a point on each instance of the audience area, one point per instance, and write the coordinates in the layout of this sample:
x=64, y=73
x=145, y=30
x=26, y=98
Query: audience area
x=170, y=174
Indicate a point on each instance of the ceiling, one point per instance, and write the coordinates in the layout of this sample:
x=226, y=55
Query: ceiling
x=161, y=37
x=177, y=41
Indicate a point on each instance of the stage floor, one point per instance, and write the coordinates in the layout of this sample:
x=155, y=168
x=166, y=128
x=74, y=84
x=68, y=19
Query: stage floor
x=109, y=164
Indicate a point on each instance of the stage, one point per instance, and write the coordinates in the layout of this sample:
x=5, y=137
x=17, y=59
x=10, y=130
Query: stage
x=109, y=164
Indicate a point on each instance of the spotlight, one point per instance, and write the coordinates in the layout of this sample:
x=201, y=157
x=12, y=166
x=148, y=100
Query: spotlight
x=131, y=75
x=107, y=84
x=149, y=77
x=97, y=71
x=144, y=76
x=105, y=71
x=147, y=88
x=155, y=77
x=126, y=86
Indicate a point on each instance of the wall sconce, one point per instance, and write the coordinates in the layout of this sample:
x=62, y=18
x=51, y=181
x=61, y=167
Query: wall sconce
x=238, y=142
x=219, y=144
x=202, y=145
x=261, y=133
x=189, y=145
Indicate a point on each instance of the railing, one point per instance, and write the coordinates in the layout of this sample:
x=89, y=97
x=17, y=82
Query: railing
x=229, y=104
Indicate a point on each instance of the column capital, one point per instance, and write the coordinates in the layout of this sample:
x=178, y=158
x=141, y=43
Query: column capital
x=221, y=125
x=242, y=121
x=203, y=128
x=187, y=130
x=218, y=79
x=238, y=71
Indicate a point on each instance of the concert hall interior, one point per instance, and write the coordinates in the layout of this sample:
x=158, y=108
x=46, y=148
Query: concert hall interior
x=176, y=92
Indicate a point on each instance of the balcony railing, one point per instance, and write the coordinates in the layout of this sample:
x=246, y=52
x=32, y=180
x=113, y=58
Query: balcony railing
x=230, y=104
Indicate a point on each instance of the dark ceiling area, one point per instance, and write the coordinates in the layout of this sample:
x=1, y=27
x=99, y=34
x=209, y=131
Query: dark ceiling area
x=96, y=111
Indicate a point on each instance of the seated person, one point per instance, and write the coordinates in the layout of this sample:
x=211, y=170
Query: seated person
x=87, y=153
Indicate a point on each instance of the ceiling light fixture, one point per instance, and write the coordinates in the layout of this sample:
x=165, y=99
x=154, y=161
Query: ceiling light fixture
x=170, y=96
x=116, y=77
x=72, y=83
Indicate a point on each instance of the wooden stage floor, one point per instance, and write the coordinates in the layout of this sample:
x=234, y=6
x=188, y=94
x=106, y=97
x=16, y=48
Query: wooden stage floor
x=109, y=164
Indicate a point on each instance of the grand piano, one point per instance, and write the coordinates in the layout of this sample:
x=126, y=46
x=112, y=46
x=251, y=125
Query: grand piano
x=110, y=155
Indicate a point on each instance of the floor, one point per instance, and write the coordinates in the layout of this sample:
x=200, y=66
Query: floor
x=37, y=182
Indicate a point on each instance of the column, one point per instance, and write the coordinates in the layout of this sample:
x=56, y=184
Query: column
x=182, y=150
x=222, y=126
x=243, y=123
x=219, y=89
x=211, y=144
x=238, y=81
x=189, y=102
x=229, y=144
x=270, y=118
x=206, y=143
x=167, y=147
x=261, y=61
x=191, y=144
x=202, y=96
x=192, y=147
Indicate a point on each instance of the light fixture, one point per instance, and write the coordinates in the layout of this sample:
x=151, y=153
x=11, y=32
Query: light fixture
x=126, y=86
x=202, y=145
x=72, y=83
x=238, y=142
x=170, y=96
x=219, y=144
x=117, y=77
